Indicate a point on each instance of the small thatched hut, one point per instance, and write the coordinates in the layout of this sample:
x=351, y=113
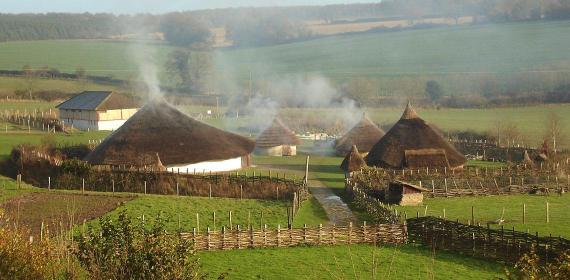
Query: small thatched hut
x=277, y=140
x=405, y=194
x=413, y=143
x=352, y=162
x=364, y=135
x=160, y=136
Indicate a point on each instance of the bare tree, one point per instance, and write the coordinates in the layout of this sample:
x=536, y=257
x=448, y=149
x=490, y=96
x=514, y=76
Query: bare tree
x=554, y=133
x=30, y=76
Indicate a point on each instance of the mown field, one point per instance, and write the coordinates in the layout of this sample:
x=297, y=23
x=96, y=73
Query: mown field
x=459, y=57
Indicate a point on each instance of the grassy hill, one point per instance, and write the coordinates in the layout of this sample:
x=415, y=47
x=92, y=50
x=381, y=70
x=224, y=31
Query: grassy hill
x=456, y=56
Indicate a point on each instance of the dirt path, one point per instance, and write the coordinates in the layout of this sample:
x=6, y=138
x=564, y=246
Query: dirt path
x=337, y=211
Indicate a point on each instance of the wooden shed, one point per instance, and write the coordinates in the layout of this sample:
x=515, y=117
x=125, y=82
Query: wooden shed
x=404, y=193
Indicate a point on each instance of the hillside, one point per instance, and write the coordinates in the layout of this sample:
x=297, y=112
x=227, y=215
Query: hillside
x=459, y=57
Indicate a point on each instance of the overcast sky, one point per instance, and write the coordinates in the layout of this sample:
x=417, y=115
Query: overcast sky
x=146, y=6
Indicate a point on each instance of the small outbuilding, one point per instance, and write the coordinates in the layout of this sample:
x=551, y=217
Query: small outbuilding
x=405, y=194
x=364, y=135
x=352, y=162
x=277, y=140
x=97, y=110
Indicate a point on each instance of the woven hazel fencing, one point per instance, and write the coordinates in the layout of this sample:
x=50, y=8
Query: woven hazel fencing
x=376, y=209
x=502, y=244
x=470, y=181
x=290, y=237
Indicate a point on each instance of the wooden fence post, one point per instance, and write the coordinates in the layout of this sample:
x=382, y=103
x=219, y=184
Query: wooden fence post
x=113, y=185
x=198, y=221
x=547, y=212
x=350, y=233
x=177, y=189
x=214, y=219
x=304, y=233
x=524, y=213
x=82, y=185
x=49, y=183
x=278, y=235
x=144, y=187
x=230, y=219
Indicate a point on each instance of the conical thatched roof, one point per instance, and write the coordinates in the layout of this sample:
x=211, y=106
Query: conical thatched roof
x=364, y=135
x=412, y=142
x=159, y=130
x=353, y=161
x=277, y=134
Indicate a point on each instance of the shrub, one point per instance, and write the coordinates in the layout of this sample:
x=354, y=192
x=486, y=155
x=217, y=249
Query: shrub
x=530, y=266
x=125, y=250
x=20, y=258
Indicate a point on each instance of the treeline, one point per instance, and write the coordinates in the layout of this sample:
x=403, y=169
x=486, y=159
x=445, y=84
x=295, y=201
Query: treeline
x=265, y=25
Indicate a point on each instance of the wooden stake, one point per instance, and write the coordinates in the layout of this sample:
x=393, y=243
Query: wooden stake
x=524, y=213
x=547, y=212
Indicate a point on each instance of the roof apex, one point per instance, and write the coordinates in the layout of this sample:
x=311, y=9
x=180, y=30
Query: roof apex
x=409, y=112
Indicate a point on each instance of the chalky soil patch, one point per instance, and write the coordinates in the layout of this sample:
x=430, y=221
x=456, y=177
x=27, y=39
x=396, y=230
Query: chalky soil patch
x=58, y=211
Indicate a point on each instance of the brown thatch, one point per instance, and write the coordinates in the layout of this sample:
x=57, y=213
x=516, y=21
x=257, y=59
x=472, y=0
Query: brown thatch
x=277, y=134
x=410, y=134
x=353, y=161
x=426, y=158
x=158, y=129
x=364, y=135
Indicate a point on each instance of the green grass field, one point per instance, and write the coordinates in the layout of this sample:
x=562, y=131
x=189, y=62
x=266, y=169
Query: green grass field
x=10, y=84
x=488, y=209
x=345, y=262
x=456, y=56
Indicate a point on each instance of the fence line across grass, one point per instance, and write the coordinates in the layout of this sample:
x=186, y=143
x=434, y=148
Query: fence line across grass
x=239, y=238
x=502, y=244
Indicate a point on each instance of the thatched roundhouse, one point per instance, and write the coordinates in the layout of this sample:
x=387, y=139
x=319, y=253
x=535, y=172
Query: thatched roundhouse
x=352, y=162
x=277, y=140
x=160, y=135
x=413, y=143
x=364, y=135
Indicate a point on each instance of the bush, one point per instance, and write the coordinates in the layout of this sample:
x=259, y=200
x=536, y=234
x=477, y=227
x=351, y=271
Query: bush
x=127, y=250
x=22, y=259
x=530, y=266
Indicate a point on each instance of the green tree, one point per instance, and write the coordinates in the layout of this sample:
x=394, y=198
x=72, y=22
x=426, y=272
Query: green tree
x=191, y=69
x=183, y=30
x=434, y=90
x=125, y=250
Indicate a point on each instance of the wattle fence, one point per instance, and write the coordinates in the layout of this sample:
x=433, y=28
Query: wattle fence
x=238, y=238
x=505, y=245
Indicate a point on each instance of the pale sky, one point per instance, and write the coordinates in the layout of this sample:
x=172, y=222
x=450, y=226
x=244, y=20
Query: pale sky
x=147, y=6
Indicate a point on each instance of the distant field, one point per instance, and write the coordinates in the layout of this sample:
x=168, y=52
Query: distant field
x=458, y=56
x=323, y=28
x=10, y=84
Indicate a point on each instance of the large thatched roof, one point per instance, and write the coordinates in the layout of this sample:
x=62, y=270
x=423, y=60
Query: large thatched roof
x=364, y=135
x=160, y=130
x=277, y=134
x=412, y=142
x=353, y=161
